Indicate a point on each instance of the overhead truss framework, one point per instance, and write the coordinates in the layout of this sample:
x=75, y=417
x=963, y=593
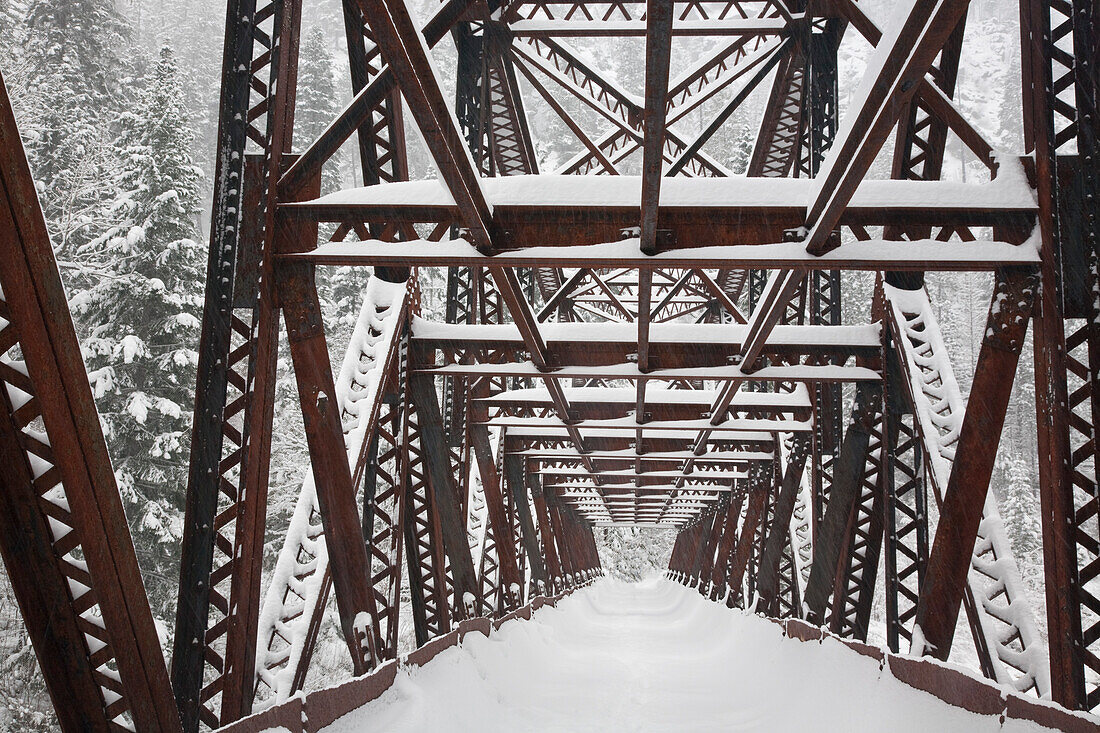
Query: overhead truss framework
x=633, y=338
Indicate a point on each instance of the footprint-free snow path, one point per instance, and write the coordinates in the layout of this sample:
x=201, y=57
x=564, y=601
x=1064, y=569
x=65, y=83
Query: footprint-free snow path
x=652, y=656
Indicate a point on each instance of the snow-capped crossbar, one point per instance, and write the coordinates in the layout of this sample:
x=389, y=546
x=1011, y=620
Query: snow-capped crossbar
x=660, y=347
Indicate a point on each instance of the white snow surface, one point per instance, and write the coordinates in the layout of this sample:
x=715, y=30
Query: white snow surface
x=1009, y=191
x=653, y=656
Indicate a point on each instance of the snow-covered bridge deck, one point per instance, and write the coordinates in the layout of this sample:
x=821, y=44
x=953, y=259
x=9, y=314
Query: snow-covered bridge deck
x=654, y=656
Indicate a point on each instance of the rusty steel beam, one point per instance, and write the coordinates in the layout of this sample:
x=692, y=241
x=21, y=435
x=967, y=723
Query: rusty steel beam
x=567, y=118
x=65, y=541
x=949, y=559
x=336, y=495
x=726, y=543
x=658, y=53
x=783, y=51
x=678, y=345
x=477, y=434
x=445, y=500
x=757, y=495
x=1062, y=127
x=874, y=256
x=918, y=41
x=424, y=551
x=405, y=51
x=228, y=470
x=358, y=112
x=777, y=536
x=830, y=539
x=546, y=533
x=517, y=483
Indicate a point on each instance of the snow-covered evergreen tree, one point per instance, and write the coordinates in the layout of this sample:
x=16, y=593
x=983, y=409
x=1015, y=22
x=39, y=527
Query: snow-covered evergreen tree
x=142, y=317
x=740, y=151
x=316, y=105
x=77, y=77
x=1019, y=508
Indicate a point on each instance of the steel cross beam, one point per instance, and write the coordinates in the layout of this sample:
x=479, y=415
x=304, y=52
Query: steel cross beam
x=941, y=594
x=405, y=50
x=618, y=107
x=366, y=100
x=914, y=48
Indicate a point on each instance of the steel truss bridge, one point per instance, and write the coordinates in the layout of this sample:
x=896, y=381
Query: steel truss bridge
x=663, y=349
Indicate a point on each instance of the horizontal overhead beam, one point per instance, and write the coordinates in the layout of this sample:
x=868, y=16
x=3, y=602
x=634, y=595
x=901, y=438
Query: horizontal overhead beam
x=782, y=373
x=538, y=397
x=736, y=425
x=558, y=211
x=650, y=492
x=618, y=477
x=670, y=344
x=873, y=254
x=716, y=457
x=627, y=28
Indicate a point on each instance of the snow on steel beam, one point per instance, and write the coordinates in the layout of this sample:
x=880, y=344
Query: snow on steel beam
x=655, y=501
x=671, y=345
x=672, y=457
x=871, y=255
x=994, y=598
x=628, y=423
x=295, y=600
x=597, y=210
x=531, y=397
x=964, y=497
x=659, y=412
x=321, y=418
x=780, y=373
x=911, y=48
x=637, y=28
x=611, y=477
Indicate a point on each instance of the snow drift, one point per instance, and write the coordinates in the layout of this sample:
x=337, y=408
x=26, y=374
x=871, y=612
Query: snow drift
x=653, y=656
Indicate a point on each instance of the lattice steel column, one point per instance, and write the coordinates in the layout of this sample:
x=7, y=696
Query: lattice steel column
x=1061, y=42
x=221, y=560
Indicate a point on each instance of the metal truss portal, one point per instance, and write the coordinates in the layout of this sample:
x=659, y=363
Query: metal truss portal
x=622, y=344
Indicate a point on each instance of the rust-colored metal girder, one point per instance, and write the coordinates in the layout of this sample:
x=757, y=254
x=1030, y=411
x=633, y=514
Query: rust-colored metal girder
x=63, y=531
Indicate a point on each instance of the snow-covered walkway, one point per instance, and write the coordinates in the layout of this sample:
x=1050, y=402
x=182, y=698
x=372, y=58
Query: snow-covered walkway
x=653, y=656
